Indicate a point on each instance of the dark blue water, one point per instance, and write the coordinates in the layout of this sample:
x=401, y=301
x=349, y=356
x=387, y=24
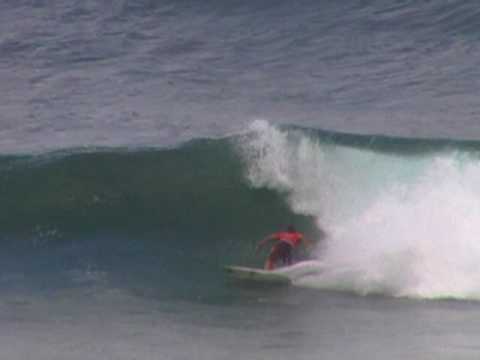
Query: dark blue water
x=146, y=144
x=159, y=72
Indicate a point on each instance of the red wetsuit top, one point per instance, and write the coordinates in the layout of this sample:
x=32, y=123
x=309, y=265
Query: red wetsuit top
x=291, y=238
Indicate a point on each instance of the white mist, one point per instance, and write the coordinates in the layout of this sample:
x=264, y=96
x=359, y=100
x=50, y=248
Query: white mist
x=398, y=225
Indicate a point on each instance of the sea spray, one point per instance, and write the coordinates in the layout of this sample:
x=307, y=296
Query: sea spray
x=397, y=225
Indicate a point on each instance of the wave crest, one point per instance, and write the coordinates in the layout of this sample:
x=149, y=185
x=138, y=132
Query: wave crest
x=398, y=224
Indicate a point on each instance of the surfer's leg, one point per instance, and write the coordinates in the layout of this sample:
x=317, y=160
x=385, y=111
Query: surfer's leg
x=272, y=258
x=285, y=260
x=285, y=253
x=269, y=264
x=289, y=255
x=288, y=258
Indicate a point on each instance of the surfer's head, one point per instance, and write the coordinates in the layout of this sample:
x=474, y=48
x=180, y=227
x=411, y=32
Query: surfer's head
x=291, y=229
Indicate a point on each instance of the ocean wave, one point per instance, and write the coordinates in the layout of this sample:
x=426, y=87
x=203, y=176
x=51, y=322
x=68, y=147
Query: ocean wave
x=391, y=215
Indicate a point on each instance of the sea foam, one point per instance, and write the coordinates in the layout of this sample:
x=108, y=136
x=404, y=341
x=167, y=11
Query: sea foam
x=397, y=224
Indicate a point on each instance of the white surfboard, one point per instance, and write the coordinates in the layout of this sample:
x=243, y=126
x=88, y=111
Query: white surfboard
x=285, y=275
x=257, y=275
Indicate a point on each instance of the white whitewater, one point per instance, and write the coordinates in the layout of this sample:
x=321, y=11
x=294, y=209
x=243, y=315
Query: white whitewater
x=397, y=225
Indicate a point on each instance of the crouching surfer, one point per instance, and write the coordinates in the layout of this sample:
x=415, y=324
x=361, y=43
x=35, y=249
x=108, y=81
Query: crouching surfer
x=282, y=249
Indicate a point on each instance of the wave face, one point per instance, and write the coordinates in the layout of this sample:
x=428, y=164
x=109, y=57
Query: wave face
x=392, y=216
x=161, y=219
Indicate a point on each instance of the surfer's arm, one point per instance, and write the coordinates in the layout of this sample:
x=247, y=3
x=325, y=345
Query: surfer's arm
x=307, y=242
x=265, y=241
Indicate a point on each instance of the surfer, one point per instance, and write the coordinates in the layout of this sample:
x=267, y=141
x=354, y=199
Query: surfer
x=282, y=250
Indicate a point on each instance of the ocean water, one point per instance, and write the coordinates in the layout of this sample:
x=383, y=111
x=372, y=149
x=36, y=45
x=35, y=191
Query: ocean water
x=145, y=145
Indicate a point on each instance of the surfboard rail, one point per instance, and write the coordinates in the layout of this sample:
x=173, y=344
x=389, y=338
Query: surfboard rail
x=257, y=275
